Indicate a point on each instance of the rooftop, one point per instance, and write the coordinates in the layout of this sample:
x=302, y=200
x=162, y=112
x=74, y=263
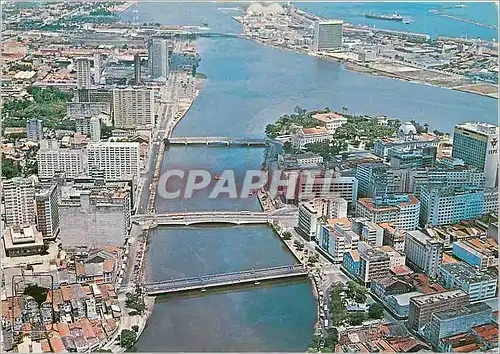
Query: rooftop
x=478, y=127
x=393, y=202
x=436, y=297
x=328, y=117
x=463, y=272
x=466, y=310
x=312, y=131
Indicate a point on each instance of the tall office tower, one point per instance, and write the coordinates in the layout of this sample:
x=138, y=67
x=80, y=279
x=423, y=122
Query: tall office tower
x=477, y=145
x=53, y=159
x=83, y=79
x=423, y=252
x=133, y=107
x=97, y=68
x=158, y=57
x=118, y=160
x=47, y=212
x=328, y=35
x=19, y=198
x=137, y=69
x=34, y=129
x=95, y=129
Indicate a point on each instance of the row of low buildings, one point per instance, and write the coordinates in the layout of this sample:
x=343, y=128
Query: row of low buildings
x=73, y=318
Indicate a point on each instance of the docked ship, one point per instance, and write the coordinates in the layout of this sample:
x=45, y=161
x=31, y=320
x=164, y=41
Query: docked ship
x=394, y=17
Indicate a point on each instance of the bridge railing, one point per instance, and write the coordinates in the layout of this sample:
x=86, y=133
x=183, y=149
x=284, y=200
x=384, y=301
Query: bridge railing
x=230, y=276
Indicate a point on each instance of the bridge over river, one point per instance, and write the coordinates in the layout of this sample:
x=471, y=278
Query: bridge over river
x=214, y=217
x=216, y=140
x=224, y=279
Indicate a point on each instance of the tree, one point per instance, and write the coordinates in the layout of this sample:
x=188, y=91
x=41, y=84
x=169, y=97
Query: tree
x=127, y=338
x=135, y=328
x=376, y=311
x=37, y=292
x=356, y=292
x=356, y=318
x=332, y=338
x=9, y=169
x=287, y=235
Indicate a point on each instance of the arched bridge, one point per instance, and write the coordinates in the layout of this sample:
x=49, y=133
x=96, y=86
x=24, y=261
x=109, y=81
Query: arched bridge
x=224, y=279
x=200, y=217
x=216, y=140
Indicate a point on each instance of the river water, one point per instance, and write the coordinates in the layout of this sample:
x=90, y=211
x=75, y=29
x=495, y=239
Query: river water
x=249, y=85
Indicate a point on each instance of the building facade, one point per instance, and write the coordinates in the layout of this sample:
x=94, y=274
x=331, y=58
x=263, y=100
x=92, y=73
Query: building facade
x=52, y=158
x=422, y=307
x=47, y=212
x=158, y=57
x=34, y=129
x=328, y=35
x=310, y=136
x=477, y=145
x=133, y=107
x=423, y=252
x=402, y=210
x=19, y=199
x=450, y=205
x=478, y=284
x=118, y=160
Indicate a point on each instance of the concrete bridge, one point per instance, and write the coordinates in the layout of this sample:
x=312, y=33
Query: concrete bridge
x=224, y=279
x=200, y=217
x=216, y=140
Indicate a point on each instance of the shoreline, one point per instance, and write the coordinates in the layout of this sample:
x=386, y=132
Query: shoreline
x=294, y=252
x=356, y=67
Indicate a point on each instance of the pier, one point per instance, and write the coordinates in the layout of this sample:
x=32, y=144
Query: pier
x=224, y=279
x=216, y=140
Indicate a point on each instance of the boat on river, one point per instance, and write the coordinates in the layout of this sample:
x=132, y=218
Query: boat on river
x=394, y=17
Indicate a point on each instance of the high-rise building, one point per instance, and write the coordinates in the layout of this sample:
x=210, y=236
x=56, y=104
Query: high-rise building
x=477, y=145
x=95, y=129
x=402, y=210
x=34, y=129
x=47, y=212
x=422, y=307
x=368, y=231
x=373, y=264
x=336, y=237
x=328, y=35
x=158, y=57
x=423, y=252
x=450, y=205
x=133, y=107
x=97, y=68
x=83, y=77
x=137, y=69
x=19, y=199
x=118, y=160
x=52, y=159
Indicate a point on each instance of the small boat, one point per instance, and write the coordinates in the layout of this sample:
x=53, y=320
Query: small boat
x=406, y=22
x=217, y=177
x=203, y=290
x=251, y=192
x=257, y=282
x=394, y=17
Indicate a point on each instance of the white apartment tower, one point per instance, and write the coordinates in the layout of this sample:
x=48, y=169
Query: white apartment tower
x=133, y=107
x=118, y=160
x=52, y=158
x=158, y=57
x=95, y=129
x=19, y=198
x=47, y=212
x=423, y=252
x=477, y=145
x=97, y=68
x=328, y=35
x=83, y=78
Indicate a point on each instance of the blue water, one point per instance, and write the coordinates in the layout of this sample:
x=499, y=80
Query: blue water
x=422, y=20
x=250, y=85
x=352, y=12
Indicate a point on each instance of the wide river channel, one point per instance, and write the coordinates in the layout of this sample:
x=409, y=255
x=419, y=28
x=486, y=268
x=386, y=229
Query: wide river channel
x=250, y=85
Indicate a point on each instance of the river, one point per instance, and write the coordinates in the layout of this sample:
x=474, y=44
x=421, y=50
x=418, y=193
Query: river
x=249, y=85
